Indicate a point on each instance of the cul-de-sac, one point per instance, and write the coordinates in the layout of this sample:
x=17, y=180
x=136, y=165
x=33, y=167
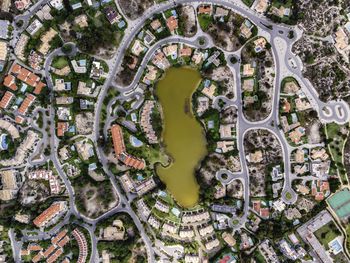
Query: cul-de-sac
x=136, y=131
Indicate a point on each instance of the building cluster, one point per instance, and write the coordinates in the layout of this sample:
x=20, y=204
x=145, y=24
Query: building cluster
x=293, y=103
x=138, y=187
x=54, y=182
x=53, y=252
x=17, y=81
x=9, y=184
x=316, y=162
x=83, y=246
x=23, y=150
x=341, y=39
x=146, y=121
x=307, y=233
x=120, y=149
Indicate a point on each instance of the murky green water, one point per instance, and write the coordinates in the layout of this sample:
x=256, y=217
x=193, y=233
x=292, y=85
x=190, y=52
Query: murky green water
x=183, y=135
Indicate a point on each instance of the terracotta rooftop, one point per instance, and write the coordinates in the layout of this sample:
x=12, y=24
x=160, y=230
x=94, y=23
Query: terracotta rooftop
x=204, y=10
x=6, y=99
x=39, y=88
x=62, y=127
x=19, y=119
x=118, y=140
x=59, y=236
x=120, y=150
x=10, y=82
x=47, y=214
x=171, y=22
x=28, y=101
x=48, y=251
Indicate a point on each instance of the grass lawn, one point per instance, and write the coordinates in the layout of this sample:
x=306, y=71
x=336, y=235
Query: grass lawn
x=60, y=62
x=151, y=154
x=205, y=21
x=248, y=2
x=327, y=233
x=336, y=148
x=288, y=196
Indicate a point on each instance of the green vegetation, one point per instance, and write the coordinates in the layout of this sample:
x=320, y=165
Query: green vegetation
x=122, y=250
x=327, y=233
x=151, y=153
x=336, y=138
x=205, y=21
x=60, y=62
x=288, y=196
x=248, y=3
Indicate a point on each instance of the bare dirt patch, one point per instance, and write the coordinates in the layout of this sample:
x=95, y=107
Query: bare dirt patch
x=134, y=8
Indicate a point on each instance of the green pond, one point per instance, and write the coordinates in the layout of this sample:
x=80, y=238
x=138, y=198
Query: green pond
x=183, y=135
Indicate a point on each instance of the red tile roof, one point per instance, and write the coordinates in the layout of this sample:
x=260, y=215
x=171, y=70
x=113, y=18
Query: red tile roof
x=6, y=99
x=19, y=119
x=39, y=88
x=120, y=150
x=204, y=10
x=62, y=127
x=47, y=214
x=59, y=236
x=10, y=82
x=171, y=23
x=28, y=101
x=118, y=141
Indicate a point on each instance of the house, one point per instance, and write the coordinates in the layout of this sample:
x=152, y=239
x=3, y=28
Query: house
x=57, y=4
x=97, y=70
x=22, y=4
x=296, y=135
x=156, y=25
x=172, y=23
x=62, y=128
x=21, y=46
x=255, y=157
x=46, y=40
x=260, y=44
x=3, y=51
x=160, y=60
x=203, y=105
x=221, y=12
x=148, y=38
x=226, y=131
x=9, y=185
x=209, y=91
x=185, y=52
x=112, y=14
x=138, y=48
x=171, y=51
x=248, y=70
x=81, y=21
x=248, y=85
x=205, y=10
x=79, y=66
x=35, y=60
x=34, y=27
x=261, y=6
x=60, y=85
x=10, y=82
x=246, y=29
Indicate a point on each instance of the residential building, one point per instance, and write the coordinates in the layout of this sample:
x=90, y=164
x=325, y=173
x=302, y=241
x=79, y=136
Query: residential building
x=49, y=214
x=120, y=150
